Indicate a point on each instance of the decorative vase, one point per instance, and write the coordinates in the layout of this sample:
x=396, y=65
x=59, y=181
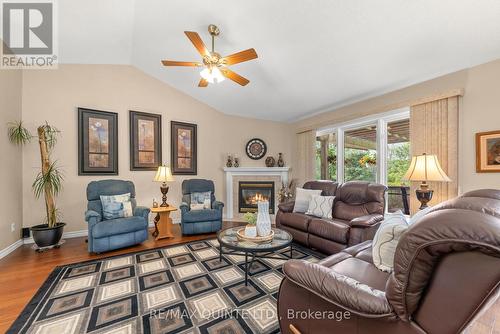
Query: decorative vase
x=236, y=162
x=281, y=162
x=263, y=219
x=270, y=162
x=229, y=162
x=250, y=231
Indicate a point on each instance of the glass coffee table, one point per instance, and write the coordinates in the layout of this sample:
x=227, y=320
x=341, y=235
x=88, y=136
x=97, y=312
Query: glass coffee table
x=228, y=239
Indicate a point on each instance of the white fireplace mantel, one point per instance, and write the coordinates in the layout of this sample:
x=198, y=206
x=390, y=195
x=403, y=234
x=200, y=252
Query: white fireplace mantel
x=282, y=172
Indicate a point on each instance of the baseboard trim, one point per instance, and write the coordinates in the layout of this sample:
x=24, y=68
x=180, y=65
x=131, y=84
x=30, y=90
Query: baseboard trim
x=9, y=249
x=66, y=235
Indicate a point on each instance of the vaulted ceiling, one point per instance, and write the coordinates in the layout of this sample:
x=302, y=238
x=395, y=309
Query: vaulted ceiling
x=314, y=55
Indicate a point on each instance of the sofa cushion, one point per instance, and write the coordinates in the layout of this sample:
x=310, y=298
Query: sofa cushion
x=108, y=228
x=335, y=230
x=386, y=240
x=302, y=199
x=296, y=220
x=194, y=216
x=321, y=206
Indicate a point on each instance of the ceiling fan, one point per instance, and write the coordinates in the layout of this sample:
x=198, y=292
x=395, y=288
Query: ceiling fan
x=215, y=67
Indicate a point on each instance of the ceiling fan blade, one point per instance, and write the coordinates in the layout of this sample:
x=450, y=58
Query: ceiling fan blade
x=197, y=42
x=234, y=76
x=203, y=83
x=240, y=57
x=180, y=63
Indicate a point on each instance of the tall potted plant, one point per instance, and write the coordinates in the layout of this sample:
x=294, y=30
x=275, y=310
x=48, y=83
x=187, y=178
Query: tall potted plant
x=48, y=181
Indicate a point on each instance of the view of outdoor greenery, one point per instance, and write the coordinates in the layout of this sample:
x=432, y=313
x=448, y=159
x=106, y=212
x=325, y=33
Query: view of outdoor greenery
x=360, y=158
x=398, y=162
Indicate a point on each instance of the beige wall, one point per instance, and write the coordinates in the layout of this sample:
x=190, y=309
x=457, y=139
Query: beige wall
x=10, y=175
x=479, y=111
x=54, y=96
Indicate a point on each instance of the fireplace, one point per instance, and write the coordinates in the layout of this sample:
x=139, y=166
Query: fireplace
x=251, y=192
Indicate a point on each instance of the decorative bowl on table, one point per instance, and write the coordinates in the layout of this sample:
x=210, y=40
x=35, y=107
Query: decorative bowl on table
x=243, y=237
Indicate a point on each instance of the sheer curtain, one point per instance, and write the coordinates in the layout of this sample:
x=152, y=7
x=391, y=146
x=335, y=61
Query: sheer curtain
x=304, y=169
x=434, y=130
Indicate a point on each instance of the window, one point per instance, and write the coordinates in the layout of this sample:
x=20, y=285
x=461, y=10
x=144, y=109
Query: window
x=326, y=157
x=360, y=154
x=398, y=162
x=375, y=149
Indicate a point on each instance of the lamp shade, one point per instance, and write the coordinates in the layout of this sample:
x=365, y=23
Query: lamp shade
x=163, y=174
x=424, y=168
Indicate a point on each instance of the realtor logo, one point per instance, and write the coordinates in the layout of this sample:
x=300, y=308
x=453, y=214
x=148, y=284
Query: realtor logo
x=28, y=34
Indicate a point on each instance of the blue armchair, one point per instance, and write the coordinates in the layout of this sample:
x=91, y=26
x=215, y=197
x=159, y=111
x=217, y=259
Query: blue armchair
x=200, y=221
x=105, y=235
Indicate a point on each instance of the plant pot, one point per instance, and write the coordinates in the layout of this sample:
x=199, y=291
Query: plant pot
x=250, y=231
x=46, y=236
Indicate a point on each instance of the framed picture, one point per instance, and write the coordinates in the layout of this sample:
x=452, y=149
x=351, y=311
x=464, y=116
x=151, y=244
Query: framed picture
x=97, y=142
x=183, y=150
x=488, y=152
x=145, y=141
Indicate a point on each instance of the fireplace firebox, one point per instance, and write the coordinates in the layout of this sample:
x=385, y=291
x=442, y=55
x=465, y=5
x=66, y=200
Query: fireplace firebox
x=251, y=192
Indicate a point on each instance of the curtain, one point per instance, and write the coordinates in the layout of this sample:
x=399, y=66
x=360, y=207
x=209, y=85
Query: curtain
x=306, y=157
x=434, y=130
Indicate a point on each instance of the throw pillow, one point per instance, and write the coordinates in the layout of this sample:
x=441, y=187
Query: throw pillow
x=419, y=215
x=386, y=240
x=201, y=201
x=116, y=206
x=321, y=206
x=302, y=199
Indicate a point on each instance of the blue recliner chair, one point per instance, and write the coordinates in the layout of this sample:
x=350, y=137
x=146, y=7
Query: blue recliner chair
x=200, y=221
x=105, y=235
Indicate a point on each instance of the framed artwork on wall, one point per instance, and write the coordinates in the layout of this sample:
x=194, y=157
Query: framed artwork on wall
x=145, y=141
x=183, y=150
x=488, y=152
x=97, y=142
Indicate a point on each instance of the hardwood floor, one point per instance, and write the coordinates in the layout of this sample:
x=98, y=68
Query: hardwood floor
x=24, y=271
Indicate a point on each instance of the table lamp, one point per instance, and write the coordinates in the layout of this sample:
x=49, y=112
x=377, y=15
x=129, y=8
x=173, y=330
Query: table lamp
x=425, y=168
x=164, y=175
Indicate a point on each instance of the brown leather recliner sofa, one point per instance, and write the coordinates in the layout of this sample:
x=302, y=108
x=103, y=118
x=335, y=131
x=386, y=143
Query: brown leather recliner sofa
x=446, y=271
x=358, y=209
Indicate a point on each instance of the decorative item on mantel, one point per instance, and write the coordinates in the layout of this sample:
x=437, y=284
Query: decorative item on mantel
x=281, y=162
x=270, y=162
x=263, y=219
x=286, y=192
x=229, y=161
x=236, y=161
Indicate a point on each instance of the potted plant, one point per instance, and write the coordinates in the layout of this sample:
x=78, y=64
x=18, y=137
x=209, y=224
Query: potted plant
x=48, y=181
x=250, y=229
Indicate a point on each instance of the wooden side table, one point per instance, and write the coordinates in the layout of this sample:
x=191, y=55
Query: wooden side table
x=163, y=222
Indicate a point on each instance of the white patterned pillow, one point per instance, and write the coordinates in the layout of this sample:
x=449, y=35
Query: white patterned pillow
x=116, y=206
x=321, y=206
x=302, y=199
x=386, y=240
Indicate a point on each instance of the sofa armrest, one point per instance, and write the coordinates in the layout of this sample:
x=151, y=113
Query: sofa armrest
x=340, y=290
x=367, y=221
x=287, y=206
x=142, y=211
x=217, y=205
x=184, y=207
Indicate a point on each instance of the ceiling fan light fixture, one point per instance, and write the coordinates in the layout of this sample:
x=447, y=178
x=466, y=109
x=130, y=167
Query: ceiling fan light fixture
x=212, y=75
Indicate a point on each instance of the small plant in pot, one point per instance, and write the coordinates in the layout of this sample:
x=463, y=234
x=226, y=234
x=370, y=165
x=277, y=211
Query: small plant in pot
x=250, y=229
x=48, y=181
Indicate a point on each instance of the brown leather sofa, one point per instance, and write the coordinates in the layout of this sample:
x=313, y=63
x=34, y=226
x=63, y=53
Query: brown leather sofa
x=446, y=271
x=358, y=209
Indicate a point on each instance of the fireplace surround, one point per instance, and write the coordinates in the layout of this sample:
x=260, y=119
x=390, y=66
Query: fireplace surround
x=251, y=192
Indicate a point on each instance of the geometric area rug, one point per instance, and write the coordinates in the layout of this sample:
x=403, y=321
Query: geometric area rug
x=178, y=289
